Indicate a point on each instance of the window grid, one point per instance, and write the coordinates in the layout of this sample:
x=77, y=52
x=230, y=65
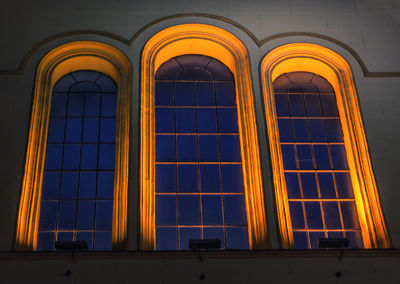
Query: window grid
x=96, y=232
x=289, y=105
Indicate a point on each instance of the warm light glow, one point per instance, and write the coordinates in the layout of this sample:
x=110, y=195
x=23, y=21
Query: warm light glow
x=217, y=43
x=83, y=55
x=328, y=64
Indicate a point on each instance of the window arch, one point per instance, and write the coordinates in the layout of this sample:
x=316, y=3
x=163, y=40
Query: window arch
x=214, y=42
x=63, y=60
x=304, y=57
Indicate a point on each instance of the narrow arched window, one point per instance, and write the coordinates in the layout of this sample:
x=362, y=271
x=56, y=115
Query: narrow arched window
x=78, y=181
x=319, y=188
x=199, y=180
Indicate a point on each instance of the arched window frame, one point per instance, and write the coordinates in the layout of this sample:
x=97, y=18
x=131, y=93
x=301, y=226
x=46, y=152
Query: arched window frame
x=67, y=58
x=331, y=66
x=217, y=43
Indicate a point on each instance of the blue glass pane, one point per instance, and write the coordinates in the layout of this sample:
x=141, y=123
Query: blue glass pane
x=74, y=130
x=187, y=148
x=48, y=215
x=164, y=94
x=322, y=84
x=75, y=104
x=349, y=213
x=355, y=240
x=281, y=104
x=296, y=214
x=225, y=93
x=103, y=240
x=64, y=83
x=300, y=130
x=189, y=210
x=184, y=94
x=227, y=120
x=187, y=178
x=313, y=105
x=185, y=120
x=106, y=156
x=71, y=156
x=322, y=157
x=314, y=237
x=230, y=148
x=66, y=217
x=210, y=178
x=313, y=213
x=105, y=188
x=108, y=104
x=185, y=234
x=85, y=218
x=106, y=84
x=51, y=185
x=339, y=157
x=296, y=105
x=331, y=215
x=309, y=185
x=212, y=210
x=107, y=130
x=326, y=185
x=168, y=70
x=87, y=185
x=165, y=148
x=205, y=94
x=237, y=238
x=304, y=157
x=45, y=241
x=65, y=236
x=53, y=157
x=232, y=178
x=334, y=130
x=69, y=185
x=206, y=120
x=58, y=104
x=89, y=157
x=292, y=185
x=194, y=74
x=165, y=120
x=329, y=107
x=87, y=237
x=285, y=130
x=300, y=240
x=104, y=214
x=317, y=130
x=208, y=148
x=215, y=233
x=92, y=104
x=220, y=71
x=165, y=178
x=289, y=162
x=91, y=130
x=344, y=186
x=56, y=130
x=166, y=239
x=165, y=210
x=85, y=87
x=85, y=75
x=235, y=210
x=335, y=234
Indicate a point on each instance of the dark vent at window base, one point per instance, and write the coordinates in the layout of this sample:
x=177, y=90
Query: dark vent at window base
x=199, y=186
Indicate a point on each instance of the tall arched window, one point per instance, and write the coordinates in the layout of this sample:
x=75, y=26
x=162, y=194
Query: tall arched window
x=199, y=180
x=78, y=182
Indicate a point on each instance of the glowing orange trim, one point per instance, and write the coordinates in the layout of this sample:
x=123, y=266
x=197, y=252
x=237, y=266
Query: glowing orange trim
x=328, y=64
x=219, y=44
x=83, y=55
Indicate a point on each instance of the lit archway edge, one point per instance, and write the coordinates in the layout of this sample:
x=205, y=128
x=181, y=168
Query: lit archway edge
x=82, y=55
x=331, y=66
x=217, y=43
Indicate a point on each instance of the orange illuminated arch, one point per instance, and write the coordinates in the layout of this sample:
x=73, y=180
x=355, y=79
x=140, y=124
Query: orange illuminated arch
x=331, y=66
x=67, y=58
x=217, y=43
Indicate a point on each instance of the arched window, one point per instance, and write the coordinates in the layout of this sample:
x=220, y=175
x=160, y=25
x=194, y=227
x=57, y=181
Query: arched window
x=76, y=169
x=78, y=182
x=199, y=180
x=323, y=178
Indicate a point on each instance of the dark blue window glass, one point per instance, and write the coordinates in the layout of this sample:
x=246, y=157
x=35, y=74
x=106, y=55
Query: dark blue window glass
x=199, y=179
x=78, y=183
x=319, y=188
